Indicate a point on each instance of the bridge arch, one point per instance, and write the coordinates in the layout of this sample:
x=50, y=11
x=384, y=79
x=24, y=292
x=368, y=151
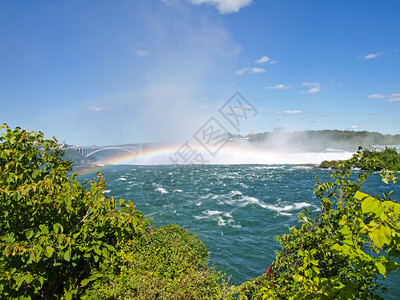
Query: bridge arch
x=111, y=148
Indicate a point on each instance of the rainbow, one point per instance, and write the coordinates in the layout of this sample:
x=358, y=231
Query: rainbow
x=146, y=157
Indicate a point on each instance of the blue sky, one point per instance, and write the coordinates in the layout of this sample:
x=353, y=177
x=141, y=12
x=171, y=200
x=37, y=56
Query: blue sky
x=113, y=72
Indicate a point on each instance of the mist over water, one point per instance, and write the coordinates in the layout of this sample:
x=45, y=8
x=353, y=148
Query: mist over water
x=232, y=153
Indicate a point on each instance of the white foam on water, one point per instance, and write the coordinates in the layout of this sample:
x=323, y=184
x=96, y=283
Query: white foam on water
x=106, y=191
x=281, y=209
x=304, y=167
x=234, y=193
x=161, y=190
x=269, y=167
x=121, y=179
x=285, y=214
x=207, y=196
x=228, y=215
x=209, y=212
x=221, y=222
x=198, y=203
x=177, y=191
x=252, y=200
x=286, y=208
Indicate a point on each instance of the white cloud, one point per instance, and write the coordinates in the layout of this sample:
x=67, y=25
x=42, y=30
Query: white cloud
x=224, y=6
x=250, y=70
x=392, y=97
x=265, y=59
x=280, y=86
x=314, y=84
x=97, y=108
x=372, y=55
x=377, y=96
x=262, y=60
x=286, y=112
x=315, y=87
x=355, y=127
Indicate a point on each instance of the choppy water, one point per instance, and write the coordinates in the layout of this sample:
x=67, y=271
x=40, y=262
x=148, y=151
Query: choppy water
x=236, y=210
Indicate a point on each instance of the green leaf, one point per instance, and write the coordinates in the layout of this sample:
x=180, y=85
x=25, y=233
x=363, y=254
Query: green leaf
x=48, y=251
x=84, y=282
x=29, y=234
x=360, y=196
x=10, y=239
x=67, y=255
x=381, y=236
x=336, y=248
x=381, y=268
x=388, y=204
x=345, y=230
x=371, y=205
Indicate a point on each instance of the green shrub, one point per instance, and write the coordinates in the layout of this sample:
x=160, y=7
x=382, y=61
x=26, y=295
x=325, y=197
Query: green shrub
x=166, y=263
x=56, y=236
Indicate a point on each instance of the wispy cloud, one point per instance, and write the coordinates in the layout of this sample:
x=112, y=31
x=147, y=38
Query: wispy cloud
x=262, y=60
x=138, y=52
x=225, y=6
x=286, y=112
x=280, y=86
x=394, y=97
x=250, y=70
x=141, y=52
x=372, y=55
x=265, y=59
x=315, y=87
x=97, y=108
x=354, y=127
x=377, y=96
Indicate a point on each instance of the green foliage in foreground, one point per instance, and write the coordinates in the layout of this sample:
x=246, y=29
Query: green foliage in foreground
x=339, y=254
x=167, y=263
x=388, y=159
x=62, y=240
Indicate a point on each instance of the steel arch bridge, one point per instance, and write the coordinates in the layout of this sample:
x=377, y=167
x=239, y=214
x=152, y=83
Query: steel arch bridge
x=90, y=150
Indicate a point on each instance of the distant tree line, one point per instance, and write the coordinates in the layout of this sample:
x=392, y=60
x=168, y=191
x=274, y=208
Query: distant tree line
x=375, y=160
x=321, y=140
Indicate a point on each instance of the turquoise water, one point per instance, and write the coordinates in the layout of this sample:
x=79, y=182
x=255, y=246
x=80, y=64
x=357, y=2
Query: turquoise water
x=236, y=210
